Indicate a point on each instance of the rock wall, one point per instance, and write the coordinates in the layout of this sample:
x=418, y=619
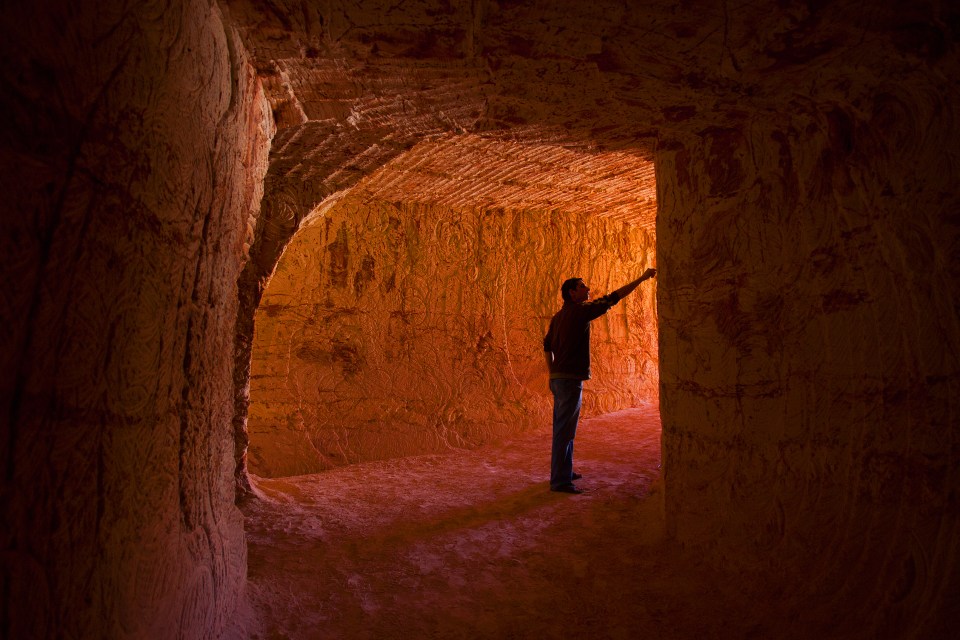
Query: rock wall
x=392, y=329
x=133, y=153
x=809, y=336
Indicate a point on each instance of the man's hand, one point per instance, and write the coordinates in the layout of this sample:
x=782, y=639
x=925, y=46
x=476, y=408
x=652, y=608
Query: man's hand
x=649, y=273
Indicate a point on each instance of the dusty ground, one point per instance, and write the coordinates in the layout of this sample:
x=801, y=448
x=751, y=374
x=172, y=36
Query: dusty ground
x=473, y=545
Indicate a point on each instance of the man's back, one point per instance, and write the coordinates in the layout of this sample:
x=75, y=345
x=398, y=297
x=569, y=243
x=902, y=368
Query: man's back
x=569, y=337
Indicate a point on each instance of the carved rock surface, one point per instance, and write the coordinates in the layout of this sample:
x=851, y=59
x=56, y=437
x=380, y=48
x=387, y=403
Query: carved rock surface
x=133, y=156
x=403, y=328
x=828, y=392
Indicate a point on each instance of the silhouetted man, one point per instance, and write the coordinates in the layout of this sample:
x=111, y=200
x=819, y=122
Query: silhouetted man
x=567, y=350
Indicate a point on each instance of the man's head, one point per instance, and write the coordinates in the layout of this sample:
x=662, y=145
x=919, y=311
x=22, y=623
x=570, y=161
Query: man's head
x=574, y=290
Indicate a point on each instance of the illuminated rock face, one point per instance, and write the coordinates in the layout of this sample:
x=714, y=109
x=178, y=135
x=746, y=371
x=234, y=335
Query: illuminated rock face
x=807, y=287
x=399, y=330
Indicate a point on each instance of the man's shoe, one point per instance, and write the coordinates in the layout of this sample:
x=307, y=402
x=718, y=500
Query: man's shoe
x=567, y=488
x=575, y=476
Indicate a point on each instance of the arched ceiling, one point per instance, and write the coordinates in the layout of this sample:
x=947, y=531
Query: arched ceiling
x=353, y=85
x=561, y=99
x=481, y=172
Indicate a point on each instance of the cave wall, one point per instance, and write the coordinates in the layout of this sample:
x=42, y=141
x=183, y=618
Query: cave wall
x=133, y=153
x=809, y=337
x=393, y=329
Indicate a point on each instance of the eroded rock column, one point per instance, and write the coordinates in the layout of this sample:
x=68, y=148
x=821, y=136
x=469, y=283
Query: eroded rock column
x=134, y=149
x=808, y=393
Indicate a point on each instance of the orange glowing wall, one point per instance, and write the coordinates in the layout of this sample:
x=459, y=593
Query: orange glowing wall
x=395, y=329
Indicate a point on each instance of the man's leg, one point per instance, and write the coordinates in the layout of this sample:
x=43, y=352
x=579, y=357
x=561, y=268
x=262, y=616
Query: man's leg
x=567, y=399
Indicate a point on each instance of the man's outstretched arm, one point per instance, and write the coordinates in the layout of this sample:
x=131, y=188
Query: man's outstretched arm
x=627, y=289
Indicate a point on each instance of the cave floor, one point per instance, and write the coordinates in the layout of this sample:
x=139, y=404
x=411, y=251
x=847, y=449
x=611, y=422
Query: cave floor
x=471, y=544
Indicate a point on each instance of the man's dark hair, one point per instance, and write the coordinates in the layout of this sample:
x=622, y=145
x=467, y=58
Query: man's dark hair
x=568, y=286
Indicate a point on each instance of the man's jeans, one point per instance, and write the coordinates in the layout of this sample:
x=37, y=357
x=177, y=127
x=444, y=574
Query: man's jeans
x=567, y=398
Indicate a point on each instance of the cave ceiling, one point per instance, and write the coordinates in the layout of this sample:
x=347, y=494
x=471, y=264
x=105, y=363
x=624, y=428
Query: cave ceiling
x=545, y=105
x=471, y=171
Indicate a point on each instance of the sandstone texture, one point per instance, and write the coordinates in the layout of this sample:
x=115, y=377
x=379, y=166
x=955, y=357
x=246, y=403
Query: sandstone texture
x=133, y=155
x=159, y=159
x=393, y=330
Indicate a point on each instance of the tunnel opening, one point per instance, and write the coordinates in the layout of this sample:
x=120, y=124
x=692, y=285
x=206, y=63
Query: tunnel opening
x=406, y=315
x=400, y=413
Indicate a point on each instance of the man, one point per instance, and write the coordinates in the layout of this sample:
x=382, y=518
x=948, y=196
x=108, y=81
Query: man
x=567, y=350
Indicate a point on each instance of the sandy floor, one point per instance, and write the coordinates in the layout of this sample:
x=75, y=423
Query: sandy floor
x=473, y=545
